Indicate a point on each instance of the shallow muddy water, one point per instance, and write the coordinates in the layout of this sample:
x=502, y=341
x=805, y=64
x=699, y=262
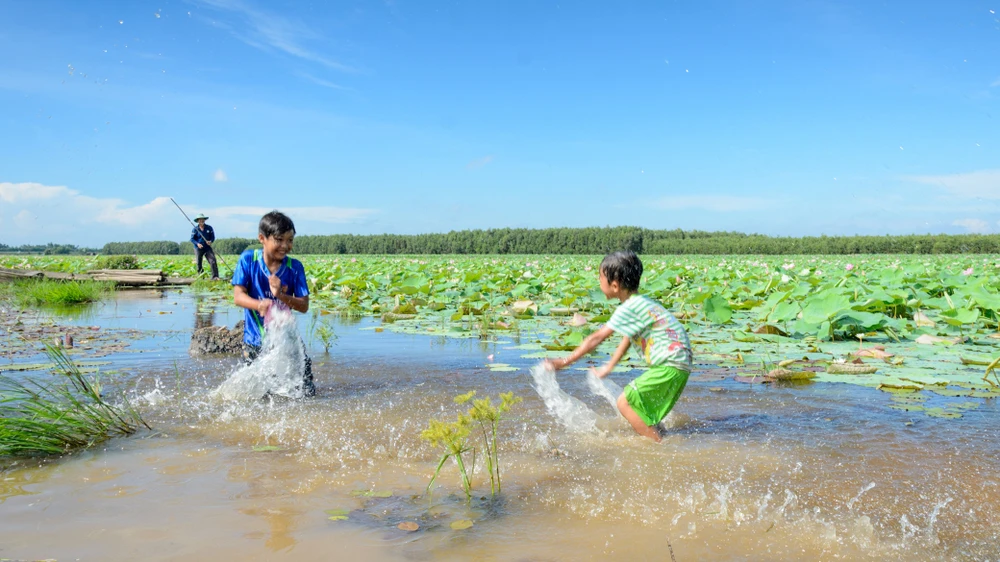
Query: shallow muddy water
x=747, y=472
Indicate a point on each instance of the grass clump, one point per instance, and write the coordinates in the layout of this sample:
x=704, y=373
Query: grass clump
x=53, y=419
x=48, y=291
x=117, y=262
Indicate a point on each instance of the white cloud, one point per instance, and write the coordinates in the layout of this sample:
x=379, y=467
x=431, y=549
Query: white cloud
x=479, y=162
x=975, y=226
x=220, y=175
x=717, y=203
x=270, y=30
x=44, y=214
x=983, y=184
x=16, y=192
x=324, y=83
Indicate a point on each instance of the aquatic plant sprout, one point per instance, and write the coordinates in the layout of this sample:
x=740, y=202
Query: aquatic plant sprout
x=488, y=416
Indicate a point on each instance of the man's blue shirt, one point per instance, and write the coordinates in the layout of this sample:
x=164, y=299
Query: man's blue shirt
x=251, y=272
x=197, y=233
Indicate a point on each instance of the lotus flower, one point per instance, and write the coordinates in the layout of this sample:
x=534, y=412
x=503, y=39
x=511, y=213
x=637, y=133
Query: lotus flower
x=967, y=271
x=849, y=266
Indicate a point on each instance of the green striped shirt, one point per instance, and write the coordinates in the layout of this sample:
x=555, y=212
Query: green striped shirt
x=656, y=332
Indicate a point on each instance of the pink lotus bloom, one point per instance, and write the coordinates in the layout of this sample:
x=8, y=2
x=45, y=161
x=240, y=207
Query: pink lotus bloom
x=967, y=271
x=849, y=266
x=489, y=357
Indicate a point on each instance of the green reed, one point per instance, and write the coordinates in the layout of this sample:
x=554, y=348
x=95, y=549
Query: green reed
x=47, y=291
x=55, y=418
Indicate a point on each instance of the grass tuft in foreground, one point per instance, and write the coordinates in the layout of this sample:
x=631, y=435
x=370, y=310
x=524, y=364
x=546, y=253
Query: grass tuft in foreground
x=47, y=291
x=56, y=418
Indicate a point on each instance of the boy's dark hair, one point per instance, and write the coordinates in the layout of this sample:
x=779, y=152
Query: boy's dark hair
x=275, y=223
x=624, y=267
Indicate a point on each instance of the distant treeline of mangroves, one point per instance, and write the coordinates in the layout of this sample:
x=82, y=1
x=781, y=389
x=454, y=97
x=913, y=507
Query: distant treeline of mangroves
x=582, y=241
x=594, y=241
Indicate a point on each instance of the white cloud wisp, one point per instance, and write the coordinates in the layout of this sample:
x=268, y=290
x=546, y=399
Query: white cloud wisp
x=33, y=213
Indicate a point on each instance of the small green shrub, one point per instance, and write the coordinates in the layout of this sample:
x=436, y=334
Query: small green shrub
x=48, y=291
x=117, y=262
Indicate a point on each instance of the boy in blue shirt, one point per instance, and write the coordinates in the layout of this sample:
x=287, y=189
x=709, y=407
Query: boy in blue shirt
x=264, y=277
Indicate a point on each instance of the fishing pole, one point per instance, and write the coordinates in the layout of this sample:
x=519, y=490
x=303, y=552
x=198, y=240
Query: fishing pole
x=219, y=256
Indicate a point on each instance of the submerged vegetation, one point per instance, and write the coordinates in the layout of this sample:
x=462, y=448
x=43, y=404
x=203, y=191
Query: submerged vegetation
x=38, y=418
x=30, y=292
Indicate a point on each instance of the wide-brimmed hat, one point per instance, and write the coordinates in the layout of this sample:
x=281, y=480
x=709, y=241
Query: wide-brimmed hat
x=201, y=216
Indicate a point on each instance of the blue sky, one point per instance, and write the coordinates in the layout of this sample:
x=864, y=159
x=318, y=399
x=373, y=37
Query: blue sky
x=785, y=118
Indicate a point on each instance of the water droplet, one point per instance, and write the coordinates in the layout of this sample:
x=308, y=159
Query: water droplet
x=120, y=22
x=71, y=69
x=156, y=15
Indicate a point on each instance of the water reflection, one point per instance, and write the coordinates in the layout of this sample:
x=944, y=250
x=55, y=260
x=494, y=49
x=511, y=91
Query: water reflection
x=204, y=314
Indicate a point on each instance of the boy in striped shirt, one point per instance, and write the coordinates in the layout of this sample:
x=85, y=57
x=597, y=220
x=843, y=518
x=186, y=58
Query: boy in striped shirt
x=646, y=325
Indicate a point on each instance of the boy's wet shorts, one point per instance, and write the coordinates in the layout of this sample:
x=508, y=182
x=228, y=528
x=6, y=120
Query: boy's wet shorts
x=653, y=394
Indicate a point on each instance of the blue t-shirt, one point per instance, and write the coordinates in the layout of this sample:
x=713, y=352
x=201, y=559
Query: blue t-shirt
x=199, y=236
x=251, y=272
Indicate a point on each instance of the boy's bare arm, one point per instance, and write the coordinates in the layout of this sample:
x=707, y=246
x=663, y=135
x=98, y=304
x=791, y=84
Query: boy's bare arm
x=300, y=304
x=588, y=345
x=605, y=370
x=243, y=299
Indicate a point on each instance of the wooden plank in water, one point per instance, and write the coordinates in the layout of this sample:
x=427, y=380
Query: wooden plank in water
x=121, y=277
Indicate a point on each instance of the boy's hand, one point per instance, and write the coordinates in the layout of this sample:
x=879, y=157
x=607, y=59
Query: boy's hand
x=263, y=305
x=200, y=246
x=600, y=372
x=275, y=282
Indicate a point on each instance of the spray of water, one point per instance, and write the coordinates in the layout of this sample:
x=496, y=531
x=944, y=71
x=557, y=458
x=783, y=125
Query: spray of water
x=570, y=412
x=277, y=370
x=604, y=388
x=850, y=504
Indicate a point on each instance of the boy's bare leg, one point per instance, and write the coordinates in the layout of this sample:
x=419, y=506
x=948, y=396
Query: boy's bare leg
x=633, y=418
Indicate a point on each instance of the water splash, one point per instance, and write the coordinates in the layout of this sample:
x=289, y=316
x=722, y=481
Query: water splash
x=570, y=412
x=605, y=389
x=909, y=529
x=277, y=370
x=850, y=504
x=931, y=533
x=763, y=505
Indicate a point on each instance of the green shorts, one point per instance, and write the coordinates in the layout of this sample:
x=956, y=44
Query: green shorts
x=653, y=394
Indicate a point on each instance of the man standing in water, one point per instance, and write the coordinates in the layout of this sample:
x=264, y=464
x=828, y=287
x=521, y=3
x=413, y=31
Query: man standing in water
x=202, y=237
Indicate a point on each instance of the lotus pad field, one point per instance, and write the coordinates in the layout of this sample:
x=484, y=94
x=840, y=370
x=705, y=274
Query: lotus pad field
x=917, y=326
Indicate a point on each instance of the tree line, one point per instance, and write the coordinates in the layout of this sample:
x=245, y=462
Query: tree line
x=593, y=241
x=46, y=249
